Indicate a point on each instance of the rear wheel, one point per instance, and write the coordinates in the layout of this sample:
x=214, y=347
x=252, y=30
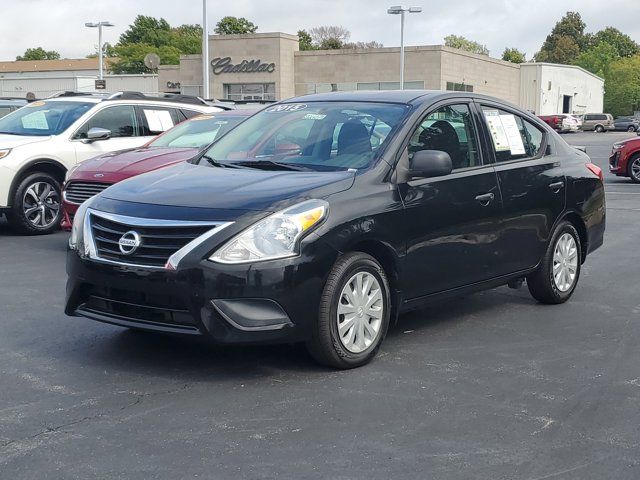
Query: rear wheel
x=354, y=313
x=631, y=128
x=599, y=128
x=558, y=274
x=36, y=205
x=634, y=168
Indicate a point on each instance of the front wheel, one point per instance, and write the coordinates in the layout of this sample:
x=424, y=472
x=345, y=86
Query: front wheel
x=631, y=128
x=634, y=168
x=36, y=205
x=354, y=313
x=558, y=274
x=599, y=128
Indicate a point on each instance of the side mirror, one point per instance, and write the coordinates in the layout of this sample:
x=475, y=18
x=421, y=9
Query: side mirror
x=95, y=134
x=430, y=163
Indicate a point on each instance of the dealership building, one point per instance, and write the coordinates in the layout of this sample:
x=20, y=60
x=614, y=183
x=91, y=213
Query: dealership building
x=270, y=66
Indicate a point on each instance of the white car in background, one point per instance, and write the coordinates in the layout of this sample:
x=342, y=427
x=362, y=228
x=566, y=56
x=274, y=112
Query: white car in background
x=42, y=141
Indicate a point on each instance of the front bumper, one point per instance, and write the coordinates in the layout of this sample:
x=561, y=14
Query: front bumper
x=268, y=302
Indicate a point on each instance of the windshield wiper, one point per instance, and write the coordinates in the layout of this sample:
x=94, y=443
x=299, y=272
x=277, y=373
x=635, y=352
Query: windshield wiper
x=270, y=164
x=217, y=163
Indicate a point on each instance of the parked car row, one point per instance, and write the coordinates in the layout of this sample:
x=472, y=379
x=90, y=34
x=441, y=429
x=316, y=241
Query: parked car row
x=598, y=122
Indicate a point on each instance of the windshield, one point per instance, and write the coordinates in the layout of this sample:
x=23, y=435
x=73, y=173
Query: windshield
x=43, y=118
x=197, y=132
x=315, y=136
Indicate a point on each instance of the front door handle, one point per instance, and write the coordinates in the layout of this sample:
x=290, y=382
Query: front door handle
x=485, y=199
x=556, y=186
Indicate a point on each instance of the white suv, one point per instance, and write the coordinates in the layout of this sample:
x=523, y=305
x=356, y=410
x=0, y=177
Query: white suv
x=42, y=141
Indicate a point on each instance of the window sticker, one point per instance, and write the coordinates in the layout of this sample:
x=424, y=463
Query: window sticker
x=287, y=107
x=314, y=116
x=497, y=130
x=158, y=120
x=513, y=134
x=35, y=121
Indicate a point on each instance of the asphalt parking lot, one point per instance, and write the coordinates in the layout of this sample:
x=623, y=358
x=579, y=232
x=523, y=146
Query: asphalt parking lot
x=491, y=386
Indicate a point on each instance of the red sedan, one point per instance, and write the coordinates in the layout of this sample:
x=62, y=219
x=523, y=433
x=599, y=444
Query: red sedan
x=175, y=145
x=625, y=159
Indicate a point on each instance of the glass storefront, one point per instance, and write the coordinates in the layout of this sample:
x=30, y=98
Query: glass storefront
x=250, y=91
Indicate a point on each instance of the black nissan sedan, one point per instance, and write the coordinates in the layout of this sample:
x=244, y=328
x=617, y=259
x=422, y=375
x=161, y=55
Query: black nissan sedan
x=321, y=218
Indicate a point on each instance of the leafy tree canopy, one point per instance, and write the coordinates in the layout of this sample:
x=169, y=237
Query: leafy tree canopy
x=235, y=25
x=462, y=43
x=513, y=55
x=564, y=43
x=623, y=87
x=598, y=59
x=38, y=53
x=623, y=44
x=305, y=41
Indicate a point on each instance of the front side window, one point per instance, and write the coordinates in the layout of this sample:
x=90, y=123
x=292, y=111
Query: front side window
x=314, y=136
x=43, y=118
x=449, y=129
x=120, y=120
x=158, y=120
x=513, y=137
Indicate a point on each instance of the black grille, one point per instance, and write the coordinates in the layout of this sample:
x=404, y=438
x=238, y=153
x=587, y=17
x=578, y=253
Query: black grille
x=78, y=192
x=157, y=243
x=137, y=306
x=614, y=159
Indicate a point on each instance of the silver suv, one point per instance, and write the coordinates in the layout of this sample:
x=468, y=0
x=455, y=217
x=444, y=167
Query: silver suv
x=599, y=122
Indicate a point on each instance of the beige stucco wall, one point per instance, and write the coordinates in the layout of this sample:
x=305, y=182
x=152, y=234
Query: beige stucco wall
x=366, y=65
x=487, y=75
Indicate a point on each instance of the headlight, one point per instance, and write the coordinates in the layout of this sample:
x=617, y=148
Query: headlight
x=618, y=146
x=274, y=237
x=76, y=240
x=4, y=152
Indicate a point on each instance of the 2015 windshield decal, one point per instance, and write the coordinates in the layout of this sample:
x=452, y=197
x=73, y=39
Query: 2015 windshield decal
x=287, y=107
x=224, y=65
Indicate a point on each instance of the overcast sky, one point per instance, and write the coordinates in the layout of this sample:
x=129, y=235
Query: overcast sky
x=59, y=24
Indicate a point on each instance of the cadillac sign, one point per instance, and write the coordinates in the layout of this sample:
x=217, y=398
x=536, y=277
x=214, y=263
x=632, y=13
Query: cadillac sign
x=224, y=65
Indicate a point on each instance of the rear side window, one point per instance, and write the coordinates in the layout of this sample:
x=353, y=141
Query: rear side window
x=189, y=113
x=120, y=120
x=513, y=137
x=156, y=120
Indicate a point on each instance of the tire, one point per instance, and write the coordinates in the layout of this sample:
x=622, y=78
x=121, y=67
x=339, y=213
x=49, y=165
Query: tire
x=36, y=205
x=599, y=129
x=633, y=168
x=542, y=284
x=631, y=128
x=349, y=347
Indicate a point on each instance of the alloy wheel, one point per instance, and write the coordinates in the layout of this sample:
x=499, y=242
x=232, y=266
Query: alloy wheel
x=635, y=169
x=565, y=262
x=360, y=312
x=41, y=204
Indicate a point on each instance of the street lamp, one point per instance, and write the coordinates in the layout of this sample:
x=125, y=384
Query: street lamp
x=99, y=26
x=205, y=52
x=400, y=10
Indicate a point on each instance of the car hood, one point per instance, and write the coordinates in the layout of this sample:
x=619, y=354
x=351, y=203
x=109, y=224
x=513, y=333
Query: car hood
x=13, y=141
x=188, y=185
x=630, y=142
x=133, y=162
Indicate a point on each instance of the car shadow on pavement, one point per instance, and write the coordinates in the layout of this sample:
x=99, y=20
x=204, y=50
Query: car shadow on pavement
x=195, y=359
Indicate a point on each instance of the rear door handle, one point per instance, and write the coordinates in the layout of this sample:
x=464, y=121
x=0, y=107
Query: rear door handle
x=485, y=199
x=556, y=186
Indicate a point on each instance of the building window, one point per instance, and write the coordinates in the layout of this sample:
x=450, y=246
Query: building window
x=250, y=91
x=390, y=85
x=459, y=87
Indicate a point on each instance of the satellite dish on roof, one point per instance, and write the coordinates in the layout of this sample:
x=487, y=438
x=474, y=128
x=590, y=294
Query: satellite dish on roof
x=152, y=61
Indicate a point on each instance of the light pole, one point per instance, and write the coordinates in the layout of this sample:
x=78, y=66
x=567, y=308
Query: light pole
x=99, y=26
x=205, y=52
x=400, y=10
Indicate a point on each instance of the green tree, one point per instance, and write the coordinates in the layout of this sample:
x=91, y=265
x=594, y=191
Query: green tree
x=598, y=59
x=38, y=53
x=187, y=39
x=147, y=30
x=462, y=43
x=107, y=49
x=565, y=42
x=331, y=44
x=513, y=55
x=622, y=86
x=623, y=44
x=305, y=41
x=235, y=25
x=131, y=57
